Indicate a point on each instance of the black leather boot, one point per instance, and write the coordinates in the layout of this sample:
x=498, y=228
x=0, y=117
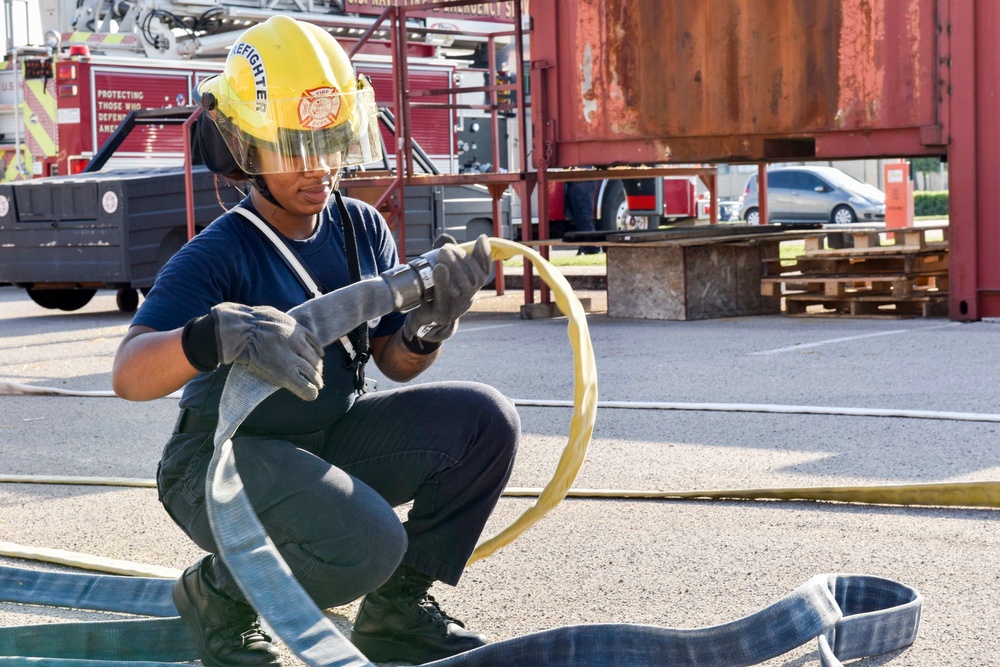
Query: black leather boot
x=400, y=621
x=226, y=632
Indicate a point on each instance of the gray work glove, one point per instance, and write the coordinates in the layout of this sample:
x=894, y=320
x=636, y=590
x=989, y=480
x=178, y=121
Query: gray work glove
x=457, y=278
x=270, y=344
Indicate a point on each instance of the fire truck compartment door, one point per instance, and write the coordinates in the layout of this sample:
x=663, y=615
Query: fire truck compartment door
x=45, y=202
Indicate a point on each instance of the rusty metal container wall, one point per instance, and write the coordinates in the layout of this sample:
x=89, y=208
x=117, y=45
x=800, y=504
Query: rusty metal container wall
x=646, y=81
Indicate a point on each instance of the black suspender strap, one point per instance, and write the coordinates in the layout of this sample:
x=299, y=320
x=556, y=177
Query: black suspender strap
x=359, y=336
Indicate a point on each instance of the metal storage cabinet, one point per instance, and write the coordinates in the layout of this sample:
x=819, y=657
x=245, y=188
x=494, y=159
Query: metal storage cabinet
x=108, y=229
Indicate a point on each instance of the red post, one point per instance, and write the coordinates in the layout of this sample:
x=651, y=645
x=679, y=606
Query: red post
x=970, y=32
x=404, y=157
x=188, y=177
x=762, y=192
x=542, y=129
x=495, y=191
x=712, y=180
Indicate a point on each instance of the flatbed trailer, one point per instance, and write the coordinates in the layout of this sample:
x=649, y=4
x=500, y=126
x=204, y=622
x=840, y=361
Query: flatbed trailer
x=65, y=237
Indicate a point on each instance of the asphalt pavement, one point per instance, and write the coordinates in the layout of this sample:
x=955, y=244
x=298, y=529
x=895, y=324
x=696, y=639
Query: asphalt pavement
x=680, y=564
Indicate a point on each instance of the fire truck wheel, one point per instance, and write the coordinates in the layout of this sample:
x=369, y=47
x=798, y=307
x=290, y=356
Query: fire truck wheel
x=615, y=215
x=127, y=300
x=62, y=299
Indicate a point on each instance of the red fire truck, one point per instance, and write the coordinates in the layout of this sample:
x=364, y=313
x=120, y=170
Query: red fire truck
x=69, y=104
x=636, y=203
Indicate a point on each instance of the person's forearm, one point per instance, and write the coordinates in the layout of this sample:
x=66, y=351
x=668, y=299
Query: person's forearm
x=150, y=364
x=397, y=361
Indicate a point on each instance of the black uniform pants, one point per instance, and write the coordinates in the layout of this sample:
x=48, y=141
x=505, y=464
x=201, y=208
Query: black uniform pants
x=326, y=498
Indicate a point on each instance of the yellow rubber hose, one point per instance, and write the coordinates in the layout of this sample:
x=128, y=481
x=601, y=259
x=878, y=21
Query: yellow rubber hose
x=87, y=561
x=984, y=494
x=81, y=481
x=581, y=425
x=944, y=494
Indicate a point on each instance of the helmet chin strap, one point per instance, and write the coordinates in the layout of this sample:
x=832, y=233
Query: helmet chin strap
x=257, y=181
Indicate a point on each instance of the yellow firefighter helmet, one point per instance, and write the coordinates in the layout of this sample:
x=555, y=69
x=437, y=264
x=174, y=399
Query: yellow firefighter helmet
x=288, y=100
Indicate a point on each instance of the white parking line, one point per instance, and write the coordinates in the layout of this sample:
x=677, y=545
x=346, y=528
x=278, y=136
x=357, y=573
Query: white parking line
x=832, y=341
x=472, y=329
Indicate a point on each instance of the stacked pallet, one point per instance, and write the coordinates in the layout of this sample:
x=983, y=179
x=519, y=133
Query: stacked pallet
x=885, y=274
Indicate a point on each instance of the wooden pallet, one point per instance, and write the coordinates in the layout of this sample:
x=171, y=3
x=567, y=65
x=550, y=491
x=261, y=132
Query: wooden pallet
x=871, y=306
x=886, y=274
x=898, y=285
x=873, y=241
x=892, y=263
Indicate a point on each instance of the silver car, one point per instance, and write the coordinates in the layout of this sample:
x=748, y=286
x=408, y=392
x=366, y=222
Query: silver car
x=813, y=194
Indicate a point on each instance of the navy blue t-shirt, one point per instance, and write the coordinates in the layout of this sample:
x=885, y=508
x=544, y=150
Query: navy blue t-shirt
x=231, y=261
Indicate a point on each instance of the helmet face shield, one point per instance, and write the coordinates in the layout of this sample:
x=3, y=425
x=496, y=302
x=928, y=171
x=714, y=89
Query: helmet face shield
x=322, y=128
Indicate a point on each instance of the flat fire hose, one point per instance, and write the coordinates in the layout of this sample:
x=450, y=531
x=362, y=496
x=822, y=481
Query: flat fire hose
x=853, y=615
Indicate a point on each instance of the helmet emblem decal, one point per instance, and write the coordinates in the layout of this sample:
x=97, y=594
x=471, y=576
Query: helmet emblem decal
x=250, y=54
x=319, y=108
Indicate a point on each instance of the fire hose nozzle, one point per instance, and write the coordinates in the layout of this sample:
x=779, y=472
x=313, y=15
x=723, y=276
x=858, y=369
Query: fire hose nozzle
x=412, y=284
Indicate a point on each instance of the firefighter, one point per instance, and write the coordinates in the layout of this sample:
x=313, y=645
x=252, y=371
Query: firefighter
x=323, y=462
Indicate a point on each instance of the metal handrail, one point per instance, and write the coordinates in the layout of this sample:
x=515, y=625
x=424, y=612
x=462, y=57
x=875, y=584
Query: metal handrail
x=166, y=115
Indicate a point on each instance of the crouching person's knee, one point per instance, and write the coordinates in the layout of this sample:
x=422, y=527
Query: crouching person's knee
x=503, y=425
x=345, y=567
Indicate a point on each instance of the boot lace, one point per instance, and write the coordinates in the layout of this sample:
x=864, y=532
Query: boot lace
x=243, y=616
x=414, y=585
x=434, y=612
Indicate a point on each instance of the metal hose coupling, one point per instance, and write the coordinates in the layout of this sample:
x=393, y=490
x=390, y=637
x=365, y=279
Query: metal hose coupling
x=412, y=284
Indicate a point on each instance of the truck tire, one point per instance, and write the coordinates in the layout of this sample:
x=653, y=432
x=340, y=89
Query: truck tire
x=62, y=299
x=615, y=215
x=614, y=208
x=127, y=300
x=477, y=226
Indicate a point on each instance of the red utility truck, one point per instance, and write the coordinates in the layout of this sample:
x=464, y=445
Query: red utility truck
x=634, y=204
